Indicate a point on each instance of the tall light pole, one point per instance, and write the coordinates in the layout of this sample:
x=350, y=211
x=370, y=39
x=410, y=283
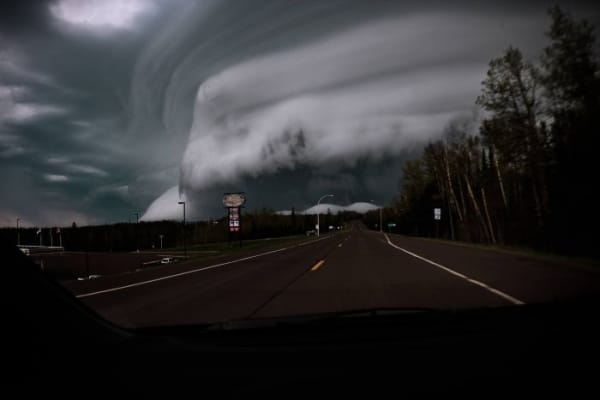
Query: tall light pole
x=137, y=222
x=380, y=219
x=18, y=233
x=184, y=248
x=318, y=223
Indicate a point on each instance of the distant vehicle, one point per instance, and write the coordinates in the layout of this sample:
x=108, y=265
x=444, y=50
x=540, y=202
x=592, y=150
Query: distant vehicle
x=25, y=251
x=310, y=233
x=167, y=260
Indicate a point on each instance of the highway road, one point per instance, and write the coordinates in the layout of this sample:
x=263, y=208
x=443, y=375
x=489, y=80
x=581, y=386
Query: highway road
x=350, y=270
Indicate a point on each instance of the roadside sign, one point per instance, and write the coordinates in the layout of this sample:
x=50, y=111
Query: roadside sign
x=234, y=219
x=437, y=214
x=234, y=199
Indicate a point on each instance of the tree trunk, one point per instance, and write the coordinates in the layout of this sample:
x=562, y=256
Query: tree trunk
x=487, y=215
x=500, y=182
x=476, y=207
x=450, y=187
x=538, y=203
x=462, y=195
x=450, y=221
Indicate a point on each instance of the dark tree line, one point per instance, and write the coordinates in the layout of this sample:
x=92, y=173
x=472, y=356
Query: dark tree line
x=525, y=176
x=146, y=235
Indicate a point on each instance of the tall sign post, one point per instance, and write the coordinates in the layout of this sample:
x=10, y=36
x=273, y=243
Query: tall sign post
x=437, y=216
x=234, y=202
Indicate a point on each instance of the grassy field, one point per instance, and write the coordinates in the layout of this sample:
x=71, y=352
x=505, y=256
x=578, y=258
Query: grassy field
x=200, y=251
x=522, y=251
x=65, y=266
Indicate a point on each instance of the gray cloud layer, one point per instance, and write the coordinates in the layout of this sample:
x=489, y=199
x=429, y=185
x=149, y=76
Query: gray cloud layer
x=102, y=109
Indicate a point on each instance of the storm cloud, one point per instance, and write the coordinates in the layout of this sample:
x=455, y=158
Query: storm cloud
x=115, y=107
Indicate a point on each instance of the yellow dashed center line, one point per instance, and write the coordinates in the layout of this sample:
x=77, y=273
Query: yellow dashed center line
x=317, y=265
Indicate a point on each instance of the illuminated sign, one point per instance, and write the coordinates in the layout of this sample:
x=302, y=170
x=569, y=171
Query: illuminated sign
x=234, y=199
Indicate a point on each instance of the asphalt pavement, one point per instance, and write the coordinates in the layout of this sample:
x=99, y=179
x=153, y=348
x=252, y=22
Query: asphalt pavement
x=354, y=269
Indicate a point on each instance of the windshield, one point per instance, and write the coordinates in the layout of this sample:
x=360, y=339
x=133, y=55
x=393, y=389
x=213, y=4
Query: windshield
x=179, y=162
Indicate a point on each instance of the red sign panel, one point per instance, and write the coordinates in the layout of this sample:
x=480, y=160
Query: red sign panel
x=234, y=219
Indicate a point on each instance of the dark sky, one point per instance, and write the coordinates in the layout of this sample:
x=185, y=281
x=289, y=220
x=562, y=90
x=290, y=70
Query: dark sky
x=111, y=107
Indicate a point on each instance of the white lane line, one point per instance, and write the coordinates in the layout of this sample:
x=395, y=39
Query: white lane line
x=162, y=278
x=458, y=274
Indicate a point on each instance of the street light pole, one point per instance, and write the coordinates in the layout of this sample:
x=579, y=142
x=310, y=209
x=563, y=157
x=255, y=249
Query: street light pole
x=137, y=228
x=184, y=247
x=18, y=233
x=318, y=223
x=380, y=219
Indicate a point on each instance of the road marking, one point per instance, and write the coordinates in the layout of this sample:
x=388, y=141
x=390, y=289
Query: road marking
x=317, y=265
x=458, y=274
x=162, y=278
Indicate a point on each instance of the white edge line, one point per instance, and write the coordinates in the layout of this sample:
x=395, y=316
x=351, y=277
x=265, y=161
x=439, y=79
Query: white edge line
x=473, y=281
x=162, y=278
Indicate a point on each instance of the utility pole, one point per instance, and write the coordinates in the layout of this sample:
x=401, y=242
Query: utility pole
x=18, y=233
x=380, y=217
x=137, y=228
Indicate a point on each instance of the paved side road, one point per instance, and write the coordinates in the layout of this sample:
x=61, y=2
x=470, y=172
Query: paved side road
x=355, y=269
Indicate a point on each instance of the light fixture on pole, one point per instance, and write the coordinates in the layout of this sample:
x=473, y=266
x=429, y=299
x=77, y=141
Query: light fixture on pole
x=380, y=219
x=319, y=202
x=184, y=247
